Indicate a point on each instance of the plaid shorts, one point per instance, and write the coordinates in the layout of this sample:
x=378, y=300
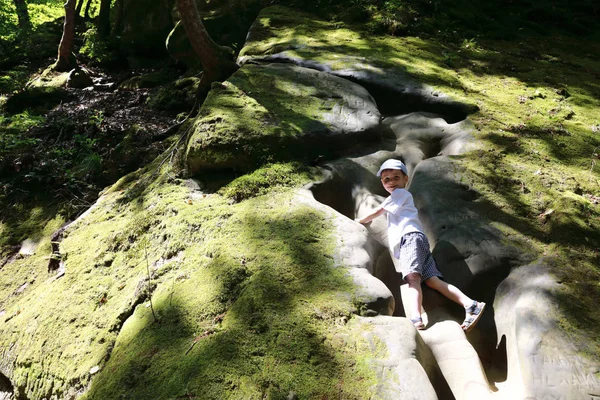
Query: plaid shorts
x=416, y=257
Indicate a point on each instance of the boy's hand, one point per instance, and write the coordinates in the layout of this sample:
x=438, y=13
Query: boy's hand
x=360, y=221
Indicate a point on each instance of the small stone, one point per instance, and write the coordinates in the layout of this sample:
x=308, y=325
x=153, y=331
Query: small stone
x=79, y=79
x=95, y=369
x=292, y=396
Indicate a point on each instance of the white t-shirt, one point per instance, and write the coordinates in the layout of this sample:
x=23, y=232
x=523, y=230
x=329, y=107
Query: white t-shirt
x=403, y=217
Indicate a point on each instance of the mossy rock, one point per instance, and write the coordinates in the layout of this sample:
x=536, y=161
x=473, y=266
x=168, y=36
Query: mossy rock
x=50, y=78
x=382, y=65
x=264, y=179
x=279, y=112
x=145, y=37
x=150, y=80
x=38, y=99
x=79, y=78
x=178, y=96
x=228, y=285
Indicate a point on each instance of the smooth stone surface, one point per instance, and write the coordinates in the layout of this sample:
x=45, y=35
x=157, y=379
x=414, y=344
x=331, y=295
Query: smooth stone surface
x=404, y=365
x=284, y=111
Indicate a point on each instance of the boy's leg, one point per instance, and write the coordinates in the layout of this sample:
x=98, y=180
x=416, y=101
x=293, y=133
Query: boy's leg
x=415, y=298
x=449, y=291
x=473, y=308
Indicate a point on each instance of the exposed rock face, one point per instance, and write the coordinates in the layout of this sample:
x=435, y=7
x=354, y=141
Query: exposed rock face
x=278, y=111
x=409, y=368
x=540, y=354
x=356, y=251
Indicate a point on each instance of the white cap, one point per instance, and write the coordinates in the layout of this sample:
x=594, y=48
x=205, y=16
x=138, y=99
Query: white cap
x=393, y=164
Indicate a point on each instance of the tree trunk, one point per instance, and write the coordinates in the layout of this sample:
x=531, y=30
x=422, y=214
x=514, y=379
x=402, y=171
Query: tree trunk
x=22, y=14
x=65, y=61
x=217, y=61
x=104, y=18
x=118, y=16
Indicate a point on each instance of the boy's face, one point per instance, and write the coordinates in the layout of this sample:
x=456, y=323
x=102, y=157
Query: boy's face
x=393, y=179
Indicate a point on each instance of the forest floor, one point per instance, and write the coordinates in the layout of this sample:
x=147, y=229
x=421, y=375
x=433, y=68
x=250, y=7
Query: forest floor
x=76, y=148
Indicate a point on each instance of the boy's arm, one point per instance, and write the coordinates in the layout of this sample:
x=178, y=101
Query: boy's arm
x=370, y=217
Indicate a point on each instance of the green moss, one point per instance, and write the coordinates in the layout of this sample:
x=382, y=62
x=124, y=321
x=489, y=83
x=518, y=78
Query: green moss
x=232, y=308
x=218, y=299
x=150, y=80
x=37, y=99
x=264, y=114
x=49, y=78
x=177, y=96
x=264, y=179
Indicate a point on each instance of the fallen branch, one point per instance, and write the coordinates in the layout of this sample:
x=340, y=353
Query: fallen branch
x=199, y=338
x=149, y=281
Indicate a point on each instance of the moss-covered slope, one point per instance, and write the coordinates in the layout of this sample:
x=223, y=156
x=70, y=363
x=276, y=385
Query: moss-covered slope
x=219, y=300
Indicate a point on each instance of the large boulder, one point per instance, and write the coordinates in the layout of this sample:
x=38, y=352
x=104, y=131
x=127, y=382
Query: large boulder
x=283, y=35
x=79, y=78
x=145, y=25
x=276, y=111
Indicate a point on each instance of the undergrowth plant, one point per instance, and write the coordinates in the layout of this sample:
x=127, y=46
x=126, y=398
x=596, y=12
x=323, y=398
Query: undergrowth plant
x=96, y=48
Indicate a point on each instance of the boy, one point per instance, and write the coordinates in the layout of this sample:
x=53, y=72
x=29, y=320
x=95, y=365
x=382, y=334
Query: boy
x=411, y=247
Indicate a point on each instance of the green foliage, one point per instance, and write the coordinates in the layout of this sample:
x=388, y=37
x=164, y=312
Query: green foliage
x=96, y=118
x=395, y=17
x=44, y=11
x=32, y=43
x=94, y=46
x=266, y=179
x=19, y=123
x=30, y=168
x=14, y=79
x=8, y=21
